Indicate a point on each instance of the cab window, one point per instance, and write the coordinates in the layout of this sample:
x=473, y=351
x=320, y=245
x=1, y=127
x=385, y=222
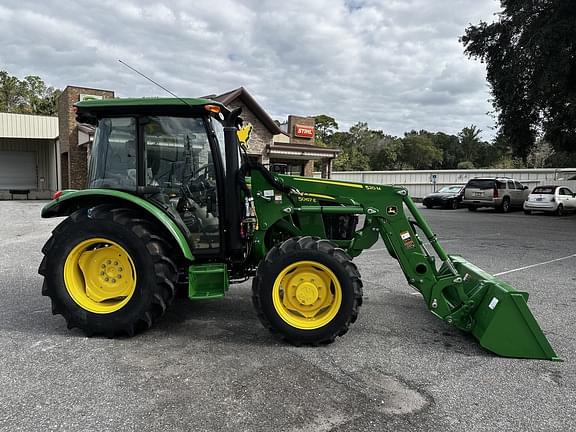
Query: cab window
x=113, y=157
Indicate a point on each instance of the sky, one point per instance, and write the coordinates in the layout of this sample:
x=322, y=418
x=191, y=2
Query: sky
x=395, y=64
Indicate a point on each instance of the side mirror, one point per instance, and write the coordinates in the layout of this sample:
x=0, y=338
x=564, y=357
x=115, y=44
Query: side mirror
x=574, y=195
x=525, y=187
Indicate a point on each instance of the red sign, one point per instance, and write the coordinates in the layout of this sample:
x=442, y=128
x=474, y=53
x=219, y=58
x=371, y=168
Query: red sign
x=304, y=131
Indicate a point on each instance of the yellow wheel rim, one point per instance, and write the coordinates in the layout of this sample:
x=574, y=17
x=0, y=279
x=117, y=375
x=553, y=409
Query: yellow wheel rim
x=307, y=295
x=99, y=275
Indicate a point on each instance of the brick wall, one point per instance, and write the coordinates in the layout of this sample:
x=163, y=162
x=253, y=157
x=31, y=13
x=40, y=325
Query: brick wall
x=260, y=136
x=64, y=180
x=304, y=121
x=75, y=178
x=309, y=169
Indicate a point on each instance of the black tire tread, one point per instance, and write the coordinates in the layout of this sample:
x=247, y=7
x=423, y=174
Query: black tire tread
x=158, y=248
x=559, y=210
x=503, y=208
x=315, y=244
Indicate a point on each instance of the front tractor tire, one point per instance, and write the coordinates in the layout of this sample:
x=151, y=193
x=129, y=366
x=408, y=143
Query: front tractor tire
x=108, y=271
x=307, y=291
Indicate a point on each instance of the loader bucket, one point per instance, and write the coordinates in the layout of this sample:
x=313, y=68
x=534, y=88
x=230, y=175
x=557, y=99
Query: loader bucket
x=502, y=321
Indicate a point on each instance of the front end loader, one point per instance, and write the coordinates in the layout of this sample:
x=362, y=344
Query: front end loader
x=173, y=205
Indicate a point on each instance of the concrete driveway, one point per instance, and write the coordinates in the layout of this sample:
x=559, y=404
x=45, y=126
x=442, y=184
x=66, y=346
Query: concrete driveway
x=211, y=366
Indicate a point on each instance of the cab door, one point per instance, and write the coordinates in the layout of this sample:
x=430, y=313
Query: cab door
x=183, y=166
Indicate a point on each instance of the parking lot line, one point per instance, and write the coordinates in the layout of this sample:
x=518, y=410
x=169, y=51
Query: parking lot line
x=535, y=265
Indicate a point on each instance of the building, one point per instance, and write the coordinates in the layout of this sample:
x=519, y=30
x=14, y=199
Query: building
x=40, y=155
x=290, y=145
x=73, y=148
x=297, y=150
x=28, y=156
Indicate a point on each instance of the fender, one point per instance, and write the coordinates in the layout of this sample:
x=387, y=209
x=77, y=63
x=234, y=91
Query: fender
x=71, y=200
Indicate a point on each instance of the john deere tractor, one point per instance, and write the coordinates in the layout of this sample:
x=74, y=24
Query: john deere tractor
x=172, y=204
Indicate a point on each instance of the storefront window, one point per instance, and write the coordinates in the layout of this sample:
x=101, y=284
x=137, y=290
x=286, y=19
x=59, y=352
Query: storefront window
x=296, y=169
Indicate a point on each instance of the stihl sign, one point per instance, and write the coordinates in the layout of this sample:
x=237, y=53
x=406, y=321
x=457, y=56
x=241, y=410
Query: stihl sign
x=303, y=131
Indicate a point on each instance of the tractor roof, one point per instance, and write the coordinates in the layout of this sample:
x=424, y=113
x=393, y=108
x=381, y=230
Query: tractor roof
x=89, y=110
x=137, y=102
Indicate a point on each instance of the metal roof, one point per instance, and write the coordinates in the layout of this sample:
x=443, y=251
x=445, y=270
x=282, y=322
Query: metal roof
x=28, y=126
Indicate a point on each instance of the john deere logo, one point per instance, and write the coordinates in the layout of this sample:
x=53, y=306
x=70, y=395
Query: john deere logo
x=244, y=134
x=391, y=211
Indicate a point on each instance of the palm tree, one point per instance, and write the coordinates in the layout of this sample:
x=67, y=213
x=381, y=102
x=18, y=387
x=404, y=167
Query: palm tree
x=469, y=141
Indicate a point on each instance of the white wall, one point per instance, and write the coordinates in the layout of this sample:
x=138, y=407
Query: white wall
x=419, y=183
x=28, y=126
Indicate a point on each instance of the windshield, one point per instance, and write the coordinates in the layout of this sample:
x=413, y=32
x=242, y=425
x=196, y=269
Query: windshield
x=450, y=189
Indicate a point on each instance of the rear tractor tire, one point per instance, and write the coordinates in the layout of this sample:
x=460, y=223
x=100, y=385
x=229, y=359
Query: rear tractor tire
x=307, y=291
x=108, y=271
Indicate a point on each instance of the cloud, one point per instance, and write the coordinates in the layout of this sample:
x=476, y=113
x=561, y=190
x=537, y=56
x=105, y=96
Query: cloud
x=396, y=64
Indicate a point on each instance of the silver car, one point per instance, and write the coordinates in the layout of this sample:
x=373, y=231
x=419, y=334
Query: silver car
x=556, y=199
x=501, y=193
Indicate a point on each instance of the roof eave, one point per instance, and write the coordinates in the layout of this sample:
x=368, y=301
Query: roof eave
x=243, y=94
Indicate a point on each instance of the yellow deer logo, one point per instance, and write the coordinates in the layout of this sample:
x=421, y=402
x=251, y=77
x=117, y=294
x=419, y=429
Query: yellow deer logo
x=244, y=134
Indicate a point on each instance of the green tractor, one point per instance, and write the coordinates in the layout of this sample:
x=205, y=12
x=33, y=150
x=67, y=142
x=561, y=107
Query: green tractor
x=173, y=205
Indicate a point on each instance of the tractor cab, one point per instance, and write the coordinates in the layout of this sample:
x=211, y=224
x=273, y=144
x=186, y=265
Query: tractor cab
x=169, y=151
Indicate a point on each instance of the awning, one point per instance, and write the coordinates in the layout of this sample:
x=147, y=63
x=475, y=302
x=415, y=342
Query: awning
x=301, y=151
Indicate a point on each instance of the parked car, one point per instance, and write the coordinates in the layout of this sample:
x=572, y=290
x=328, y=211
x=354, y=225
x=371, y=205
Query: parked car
x=501, y=193
x=556, y=199
x=446, y=197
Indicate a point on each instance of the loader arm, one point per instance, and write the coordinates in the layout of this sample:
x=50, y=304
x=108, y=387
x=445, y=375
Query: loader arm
x=453, y=289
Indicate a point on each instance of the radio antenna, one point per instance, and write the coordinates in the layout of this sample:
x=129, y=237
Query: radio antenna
x=154, y=82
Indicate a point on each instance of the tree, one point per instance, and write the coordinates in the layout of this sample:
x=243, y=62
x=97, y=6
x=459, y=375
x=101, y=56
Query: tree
x=358, y=146
x=530, y=58
x=10, y=92
x=419, y=152
x=487, y=155
x=352, y=160
x=27, y=96
x=469, y=142
x=324, y=127
x=363, y=138
x=465, y=165
x=451, y=149
x=388, y=156
x=539, y=154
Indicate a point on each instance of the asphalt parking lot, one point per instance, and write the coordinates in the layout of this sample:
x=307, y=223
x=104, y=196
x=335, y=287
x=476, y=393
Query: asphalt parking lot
x=211, y=366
